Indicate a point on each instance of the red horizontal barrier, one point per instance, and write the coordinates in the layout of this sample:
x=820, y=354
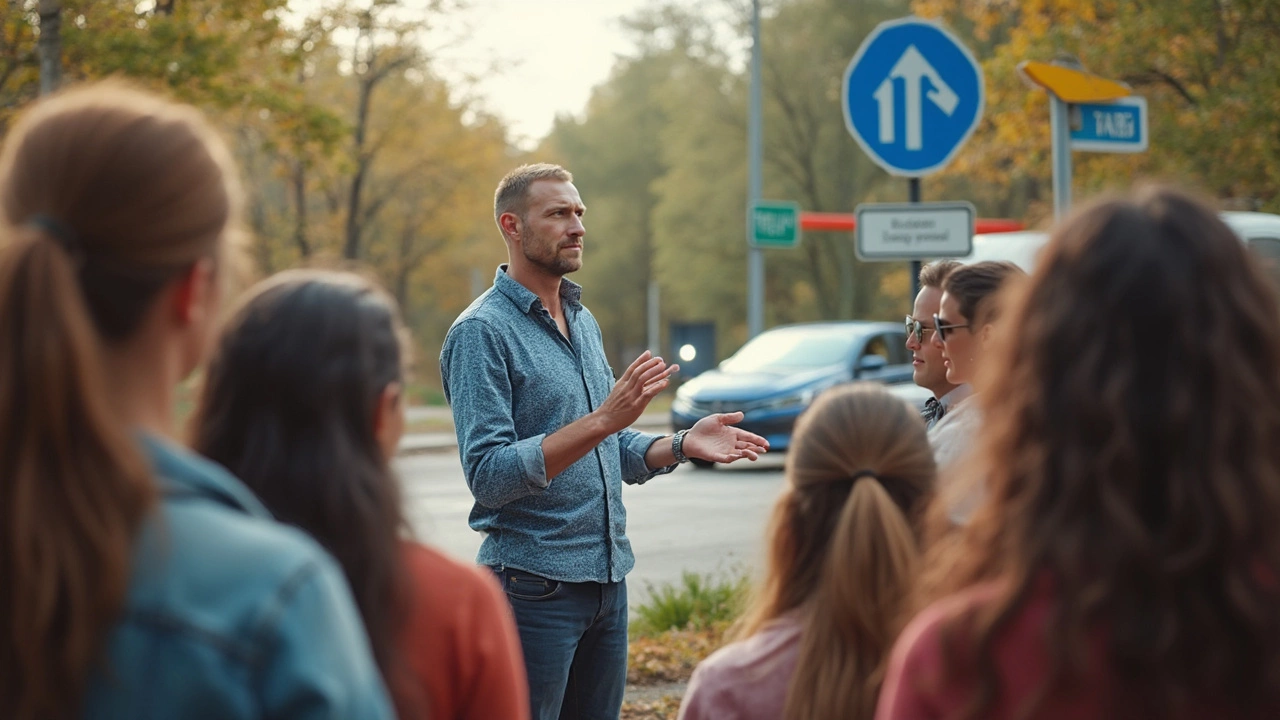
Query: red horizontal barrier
x=840, y=222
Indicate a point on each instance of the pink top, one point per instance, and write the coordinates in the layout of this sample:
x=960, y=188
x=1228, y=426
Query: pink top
x=748, y=679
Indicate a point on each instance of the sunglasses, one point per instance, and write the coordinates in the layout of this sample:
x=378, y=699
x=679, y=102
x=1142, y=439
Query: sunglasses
x=943, y=330
x=917, y=328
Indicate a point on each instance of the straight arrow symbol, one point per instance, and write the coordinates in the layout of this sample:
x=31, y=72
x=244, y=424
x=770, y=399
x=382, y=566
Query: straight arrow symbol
x=912, y=68
x=884, y=98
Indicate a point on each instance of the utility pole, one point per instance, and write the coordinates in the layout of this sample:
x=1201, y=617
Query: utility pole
x=755, y=157
x=50, y=45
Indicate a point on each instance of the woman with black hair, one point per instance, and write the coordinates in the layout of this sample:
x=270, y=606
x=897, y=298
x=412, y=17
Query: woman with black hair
x=303, y=403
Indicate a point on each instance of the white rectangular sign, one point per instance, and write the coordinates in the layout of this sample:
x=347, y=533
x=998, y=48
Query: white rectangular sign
x=914, y=231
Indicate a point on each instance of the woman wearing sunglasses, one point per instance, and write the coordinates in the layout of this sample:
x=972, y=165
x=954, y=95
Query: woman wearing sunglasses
x=965, y=327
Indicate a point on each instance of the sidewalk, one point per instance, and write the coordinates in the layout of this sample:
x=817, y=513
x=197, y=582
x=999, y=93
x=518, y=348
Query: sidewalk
x=427, y=442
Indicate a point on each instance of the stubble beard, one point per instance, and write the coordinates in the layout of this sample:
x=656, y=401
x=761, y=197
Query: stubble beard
x=555, y=264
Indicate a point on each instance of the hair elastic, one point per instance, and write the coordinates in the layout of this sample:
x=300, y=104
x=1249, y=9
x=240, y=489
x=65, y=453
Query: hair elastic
x=60, y=232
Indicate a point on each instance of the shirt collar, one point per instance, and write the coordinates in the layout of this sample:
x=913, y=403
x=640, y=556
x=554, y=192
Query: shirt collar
x=958, y=393
x=181, y=473
x=524, y=298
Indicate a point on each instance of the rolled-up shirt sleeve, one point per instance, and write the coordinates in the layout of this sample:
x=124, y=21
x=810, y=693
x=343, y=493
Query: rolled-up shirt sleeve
x=499, y=466
x=632, y=446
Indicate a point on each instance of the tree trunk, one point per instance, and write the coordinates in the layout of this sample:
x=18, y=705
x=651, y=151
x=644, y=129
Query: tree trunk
x=300, y=186
x=50, y=45
x=300, y=209
x=367, y=77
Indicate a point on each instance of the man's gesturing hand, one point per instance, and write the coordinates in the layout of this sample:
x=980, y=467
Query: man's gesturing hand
x=715, y=439
x=646, y=377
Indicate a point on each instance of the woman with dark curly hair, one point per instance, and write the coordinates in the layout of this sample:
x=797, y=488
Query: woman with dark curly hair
x=1126, y=562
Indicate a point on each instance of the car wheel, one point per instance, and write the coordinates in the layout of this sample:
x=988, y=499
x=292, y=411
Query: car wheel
x=702, y=464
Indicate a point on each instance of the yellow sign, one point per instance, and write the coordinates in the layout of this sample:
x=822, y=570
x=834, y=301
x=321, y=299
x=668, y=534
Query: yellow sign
x=1071, y=85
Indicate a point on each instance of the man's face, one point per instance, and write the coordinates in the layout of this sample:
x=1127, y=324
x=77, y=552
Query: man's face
x=552, y=231
x=928, y=370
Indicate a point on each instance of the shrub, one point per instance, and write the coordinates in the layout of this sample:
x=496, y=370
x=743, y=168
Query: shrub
x=696, y=603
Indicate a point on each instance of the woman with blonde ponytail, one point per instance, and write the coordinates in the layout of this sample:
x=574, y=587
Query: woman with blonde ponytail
x=841, y=559
x=137, y=581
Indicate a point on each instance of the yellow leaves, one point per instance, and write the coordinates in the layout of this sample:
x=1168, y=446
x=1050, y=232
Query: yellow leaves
x=896, y=283
x=1206, y=68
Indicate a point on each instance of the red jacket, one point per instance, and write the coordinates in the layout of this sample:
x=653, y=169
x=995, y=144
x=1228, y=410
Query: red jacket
x=461, y=641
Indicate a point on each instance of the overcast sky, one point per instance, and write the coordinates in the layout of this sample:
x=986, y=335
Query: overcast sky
x=530, y=59
x=535, y=58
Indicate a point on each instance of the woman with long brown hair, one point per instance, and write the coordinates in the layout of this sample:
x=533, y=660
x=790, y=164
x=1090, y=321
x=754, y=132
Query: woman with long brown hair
x=1126, y=562
x=842, y=552
x=303, y=401
x=136, y=580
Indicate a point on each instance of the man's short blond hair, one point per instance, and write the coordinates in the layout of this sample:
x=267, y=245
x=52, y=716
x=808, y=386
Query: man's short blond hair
x=512, y=195
x=936, y=272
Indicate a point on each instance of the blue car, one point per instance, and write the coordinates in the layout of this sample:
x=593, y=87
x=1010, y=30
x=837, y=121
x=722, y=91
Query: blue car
x=775, y=376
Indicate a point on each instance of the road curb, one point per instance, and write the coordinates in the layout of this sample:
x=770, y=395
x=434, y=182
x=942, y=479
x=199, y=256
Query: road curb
x=421, y=444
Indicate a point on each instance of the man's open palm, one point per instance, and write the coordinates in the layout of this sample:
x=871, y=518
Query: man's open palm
x=716, y=439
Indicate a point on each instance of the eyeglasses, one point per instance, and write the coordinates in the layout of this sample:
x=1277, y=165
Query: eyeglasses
x=942, y=329
x=917, y=328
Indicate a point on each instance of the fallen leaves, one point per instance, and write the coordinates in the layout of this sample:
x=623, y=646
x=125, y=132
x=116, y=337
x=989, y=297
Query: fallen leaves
x=671, y=656
x=665, y=709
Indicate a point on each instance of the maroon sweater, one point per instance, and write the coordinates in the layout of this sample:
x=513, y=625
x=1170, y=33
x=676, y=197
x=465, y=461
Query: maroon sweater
x=921, y=685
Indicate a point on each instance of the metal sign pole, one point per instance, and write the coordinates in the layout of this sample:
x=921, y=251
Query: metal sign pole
x=755, y=153
x=913, y=196
x=1060, y=129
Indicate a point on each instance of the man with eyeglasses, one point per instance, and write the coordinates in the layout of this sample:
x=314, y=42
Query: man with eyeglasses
x=928, y=370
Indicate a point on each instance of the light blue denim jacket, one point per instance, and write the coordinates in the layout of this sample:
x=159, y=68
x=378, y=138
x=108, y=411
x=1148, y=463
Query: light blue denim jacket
x=231, y=615
x=512, y=379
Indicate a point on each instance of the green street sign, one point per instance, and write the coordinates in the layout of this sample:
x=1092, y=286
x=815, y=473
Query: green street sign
x=774, y=224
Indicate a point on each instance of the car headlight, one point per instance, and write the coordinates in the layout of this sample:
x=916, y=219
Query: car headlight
x=798, y=400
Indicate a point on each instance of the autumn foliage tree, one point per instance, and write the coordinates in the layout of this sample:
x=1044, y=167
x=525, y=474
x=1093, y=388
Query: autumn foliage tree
x=353, y=149
x=1207, y=67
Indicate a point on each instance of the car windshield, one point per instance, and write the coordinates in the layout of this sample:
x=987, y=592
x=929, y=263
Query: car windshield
x=793, y=349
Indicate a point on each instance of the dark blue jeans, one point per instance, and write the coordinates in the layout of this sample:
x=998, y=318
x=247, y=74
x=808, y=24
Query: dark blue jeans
x=574, y=637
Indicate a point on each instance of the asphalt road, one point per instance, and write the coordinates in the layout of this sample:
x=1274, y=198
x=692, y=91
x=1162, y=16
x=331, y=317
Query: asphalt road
x=702, y=521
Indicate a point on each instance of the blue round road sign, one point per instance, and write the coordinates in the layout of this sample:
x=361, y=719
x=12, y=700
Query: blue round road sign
x=913, y=95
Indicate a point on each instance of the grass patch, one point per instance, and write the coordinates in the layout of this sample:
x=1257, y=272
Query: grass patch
x=697, y=602
x=677, y=628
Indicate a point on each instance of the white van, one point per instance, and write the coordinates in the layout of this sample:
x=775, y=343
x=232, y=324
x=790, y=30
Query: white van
x=1260, y=231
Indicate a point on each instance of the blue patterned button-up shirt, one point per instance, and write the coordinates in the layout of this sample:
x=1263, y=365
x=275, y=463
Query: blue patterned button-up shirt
x=512, y=379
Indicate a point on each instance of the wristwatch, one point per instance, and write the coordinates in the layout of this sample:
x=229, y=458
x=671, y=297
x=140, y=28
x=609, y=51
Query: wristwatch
x=677, y=446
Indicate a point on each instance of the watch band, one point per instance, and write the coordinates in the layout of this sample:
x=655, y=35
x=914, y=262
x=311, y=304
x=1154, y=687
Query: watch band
x=677, y=446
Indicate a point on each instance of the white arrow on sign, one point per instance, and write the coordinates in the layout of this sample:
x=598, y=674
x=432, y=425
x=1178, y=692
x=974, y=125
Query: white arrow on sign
x=913, y=69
